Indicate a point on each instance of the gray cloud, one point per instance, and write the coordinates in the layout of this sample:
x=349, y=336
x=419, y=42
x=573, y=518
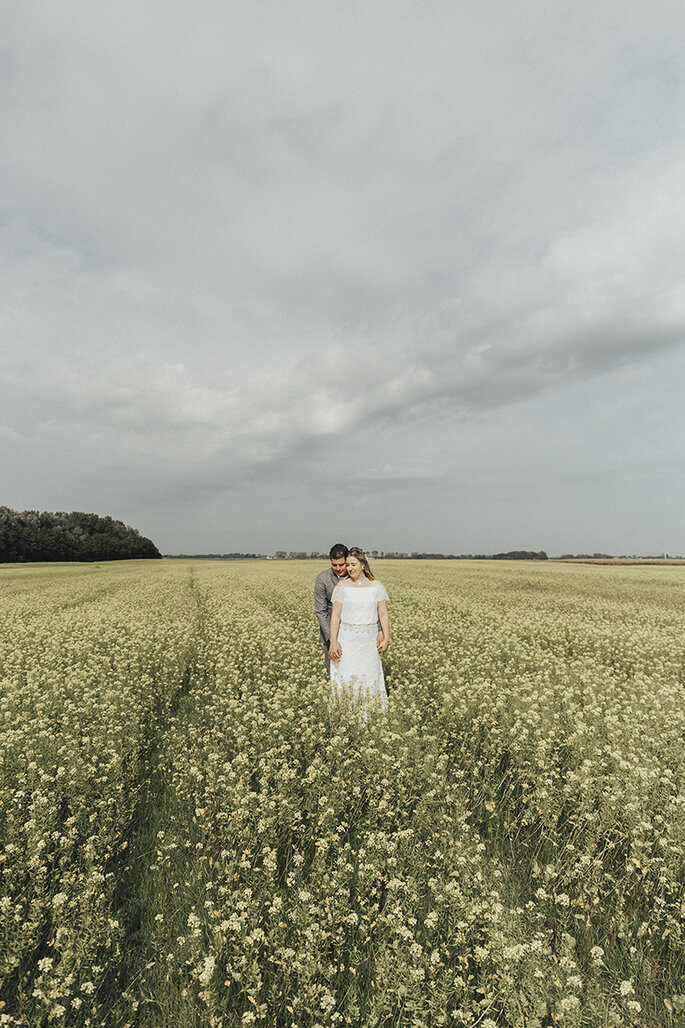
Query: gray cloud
x=238, y=241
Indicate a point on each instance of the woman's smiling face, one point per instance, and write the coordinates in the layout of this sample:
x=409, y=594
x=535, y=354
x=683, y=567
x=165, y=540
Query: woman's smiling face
x=354, y=567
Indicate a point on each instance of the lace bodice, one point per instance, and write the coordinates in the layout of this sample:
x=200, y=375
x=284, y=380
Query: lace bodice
x=359, y=603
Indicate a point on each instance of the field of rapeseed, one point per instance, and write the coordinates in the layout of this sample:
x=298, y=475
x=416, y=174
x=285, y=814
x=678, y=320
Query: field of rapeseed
x=190, y=836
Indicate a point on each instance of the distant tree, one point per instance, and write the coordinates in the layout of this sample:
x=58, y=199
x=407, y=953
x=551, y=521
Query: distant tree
x=521, y=555
x=31, y=535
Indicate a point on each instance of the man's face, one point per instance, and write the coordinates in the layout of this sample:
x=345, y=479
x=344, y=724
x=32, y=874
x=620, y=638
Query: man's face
x=339, y=565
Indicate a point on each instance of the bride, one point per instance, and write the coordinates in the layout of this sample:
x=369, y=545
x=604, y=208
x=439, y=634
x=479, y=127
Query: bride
x=359, y=605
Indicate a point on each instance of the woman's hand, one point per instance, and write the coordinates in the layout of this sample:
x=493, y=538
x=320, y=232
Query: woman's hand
x=335, y=651
x=382, y=642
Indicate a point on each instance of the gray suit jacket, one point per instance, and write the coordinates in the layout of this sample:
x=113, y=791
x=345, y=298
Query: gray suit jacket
x=324, y=585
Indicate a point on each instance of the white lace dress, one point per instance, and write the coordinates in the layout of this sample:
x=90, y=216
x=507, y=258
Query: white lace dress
x=359, y=672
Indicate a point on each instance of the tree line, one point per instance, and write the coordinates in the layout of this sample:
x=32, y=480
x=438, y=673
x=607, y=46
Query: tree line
x=32, y=535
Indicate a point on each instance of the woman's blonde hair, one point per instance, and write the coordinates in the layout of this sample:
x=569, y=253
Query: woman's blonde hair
x=361, y=557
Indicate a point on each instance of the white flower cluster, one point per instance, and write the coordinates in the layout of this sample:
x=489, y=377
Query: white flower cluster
x=88, y=660
x=505, y=845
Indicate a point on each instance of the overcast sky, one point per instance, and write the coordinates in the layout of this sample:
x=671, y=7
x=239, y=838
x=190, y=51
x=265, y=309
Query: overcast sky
x=406, y=274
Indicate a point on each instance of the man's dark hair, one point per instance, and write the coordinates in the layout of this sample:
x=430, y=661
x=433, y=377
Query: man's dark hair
x=338, y=550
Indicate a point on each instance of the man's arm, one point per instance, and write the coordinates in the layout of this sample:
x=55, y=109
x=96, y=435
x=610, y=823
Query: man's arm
x=383, y=639
x=335, y=649
x=321, y=610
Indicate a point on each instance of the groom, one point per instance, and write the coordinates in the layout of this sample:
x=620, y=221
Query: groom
x=324, y=585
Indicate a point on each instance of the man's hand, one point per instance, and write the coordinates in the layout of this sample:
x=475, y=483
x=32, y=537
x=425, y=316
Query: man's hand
x=335, y=651
x=381, y=643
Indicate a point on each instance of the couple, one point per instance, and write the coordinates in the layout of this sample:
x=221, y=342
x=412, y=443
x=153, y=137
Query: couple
x=352, y=611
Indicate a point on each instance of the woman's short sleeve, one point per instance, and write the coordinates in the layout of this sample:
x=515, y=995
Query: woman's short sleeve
x=382, y=595
x=337, y=596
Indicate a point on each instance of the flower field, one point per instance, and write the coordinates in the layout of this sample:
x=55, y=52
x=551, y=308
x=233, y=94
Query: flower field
x=190, y=836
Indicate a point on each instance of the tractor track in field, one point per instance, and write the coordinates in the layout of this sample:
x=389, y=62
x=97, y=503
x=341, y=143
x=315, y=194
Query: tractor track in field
x=131, y=861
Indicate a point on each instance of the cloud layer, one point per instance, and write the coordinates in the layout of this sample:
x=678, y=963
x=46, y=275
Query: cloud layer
x=242, y=243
